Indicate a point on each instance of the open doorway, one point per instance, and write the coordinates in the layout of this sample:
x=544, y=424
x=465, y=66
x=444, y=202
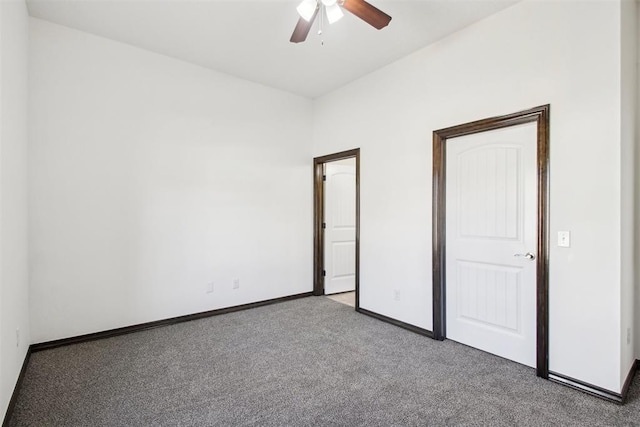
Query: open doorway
x=337, y=226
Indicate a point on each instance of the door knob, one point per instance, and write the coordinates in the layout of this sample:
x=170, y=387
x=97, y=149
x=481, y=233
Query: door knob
x=528, y=256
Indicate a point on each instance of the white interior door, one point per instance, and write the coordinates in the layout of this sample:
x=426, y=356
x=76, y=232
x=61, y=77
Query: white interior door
x=340, y=226
x=491, y=232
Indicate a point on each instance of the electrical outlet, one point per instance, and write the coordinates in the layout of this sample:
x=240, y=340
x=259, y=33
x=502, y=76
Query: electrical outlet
x=17, y=337
x=236, y=283
x=209, y=287
x=564, y=239
x=396, y=294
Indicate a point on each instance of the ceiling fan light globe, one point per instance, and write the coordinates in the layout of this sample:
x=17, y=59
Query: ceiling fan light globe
x=329, y=3
x=334, y=13
x=307, y=8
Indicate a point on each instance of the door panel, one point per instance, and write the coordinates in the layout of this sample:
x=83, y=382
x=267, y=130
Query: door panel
x=489, y=295
x=488, y=188
x=340, y=231
x=344, y=259
x=491, y=223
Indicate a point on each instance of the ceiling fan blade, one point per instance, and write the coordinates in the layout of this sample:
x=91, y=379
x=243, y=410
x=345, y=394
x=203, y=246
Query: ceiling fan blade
x=368, y=13
x=302, y=28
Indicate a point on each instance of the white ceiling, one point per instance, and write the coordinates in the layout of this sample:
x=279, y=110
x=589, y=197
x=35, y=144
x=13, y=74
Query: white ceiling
x=250, y=38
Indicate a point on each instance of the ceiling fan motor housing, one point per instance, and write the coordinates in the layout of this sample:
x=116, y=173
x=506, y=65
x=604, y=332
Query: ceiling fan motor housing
x=309, y=10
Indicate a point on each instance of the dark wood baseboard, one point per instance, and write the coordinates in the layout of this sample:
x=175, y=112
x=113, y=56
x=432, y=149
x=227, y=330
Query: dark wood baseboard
x=632, y=373
x=338, y=293
x=403, y=325
x=16, y=389
x=594, y=390
x=158, y=323
x=619, y=398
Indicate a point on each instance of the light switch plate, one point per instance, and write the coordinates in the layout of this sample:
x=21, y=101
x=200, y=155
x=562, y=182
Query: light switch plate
x=564, y=239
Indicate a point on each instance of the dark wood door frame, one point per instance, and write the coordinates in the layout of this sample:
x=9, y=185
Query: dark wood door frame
x=540, y=115
x=318, y=219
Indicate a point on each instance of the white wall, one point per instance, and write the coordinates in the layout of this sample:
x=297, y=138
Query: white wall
x=150, y=178
x=14, y=310
x=637, y=198
x=531, y=54
x=628, y=40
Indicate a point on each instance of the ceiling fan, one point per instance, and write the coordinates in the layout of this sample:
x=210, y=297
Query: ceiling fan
x=309, y=10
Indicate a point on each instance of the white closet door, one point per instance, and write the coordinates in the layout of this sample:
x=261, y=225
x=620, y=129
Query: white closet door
x=491, y=241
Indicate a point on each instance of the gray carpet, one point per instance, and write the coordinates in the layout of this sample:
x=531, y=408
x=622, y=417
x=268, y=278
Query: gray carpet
x=308, y=362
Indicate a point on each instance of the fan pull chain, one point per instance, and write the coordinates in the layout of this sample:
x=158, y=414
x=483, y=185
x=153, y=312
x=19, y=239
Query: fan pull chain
x=321, y=23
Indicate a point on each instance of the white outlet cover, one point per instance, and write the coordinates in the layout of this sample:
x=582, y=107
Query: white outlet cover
x=564, y=239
